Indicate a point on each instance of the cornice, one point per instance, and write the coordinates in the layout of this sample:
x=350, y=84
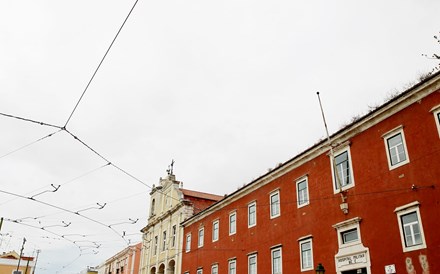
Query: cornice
x=390, y=108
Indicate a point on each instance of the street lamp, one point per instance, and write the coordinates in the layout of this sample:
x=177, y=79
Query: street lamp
x=320, y=269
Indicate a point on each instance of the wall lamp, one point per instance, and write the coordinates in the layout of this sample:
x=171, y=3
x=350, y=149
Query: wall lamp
x=320, y=269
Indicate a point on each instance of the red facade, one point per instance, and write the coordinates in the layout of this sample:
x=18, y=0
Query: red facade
x=388, y=166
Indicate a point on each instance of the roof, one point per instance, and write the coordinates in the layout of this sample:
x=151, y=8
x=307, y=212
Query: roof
x=424, y=82
x=201, y=195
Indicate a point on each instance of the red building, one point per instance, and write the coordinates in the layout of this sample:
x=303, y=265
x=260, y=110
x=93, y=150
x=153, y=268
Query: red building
x=367, y=203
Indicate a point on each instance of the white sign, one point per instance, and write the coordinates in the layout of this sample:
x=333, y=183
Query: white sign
x=390, y=269
x=352, y=259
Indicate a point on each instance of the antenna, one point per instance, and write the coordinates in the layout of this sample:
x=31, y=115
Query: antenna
x=343, y=205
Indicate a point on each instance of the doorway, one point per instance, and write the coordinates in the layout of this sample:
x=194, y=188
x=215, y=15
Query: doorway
x=356, y=271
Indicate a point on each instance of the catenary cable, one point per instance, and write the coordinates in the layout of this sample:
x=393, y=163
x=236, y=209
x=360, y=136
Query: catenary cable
x=27, y=145
x=65, y=210
x=100, y=63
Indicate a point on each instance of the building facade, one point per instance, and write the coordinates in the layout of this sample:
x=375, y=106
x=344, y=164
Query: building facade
x=124, y=262
x=365, y=201
x=12, y=263
x=162, y=237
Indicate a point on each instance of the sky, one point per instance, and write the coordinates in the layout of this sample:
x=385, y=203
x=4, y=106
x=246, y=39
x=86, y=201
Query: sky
x=225, y=88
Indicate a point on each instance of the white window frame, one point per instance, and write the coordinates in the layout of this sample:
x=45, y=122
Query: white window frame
x=436, y=112
x=390, y=134
x=200, y=271
x=233, y=225
x=214, y=269
x=232, y=262
x=251, y=256
x=336, y=153
x=188, y=242
x=301, y=257
x=254, y=205
x=174, y=235
x=215, y=232
x=164, y=240
x=156, y=243
x=300, y=202
x=278, y=206
x=405, y=210
x=346, y=226
x=272, y=251
x=201, y=237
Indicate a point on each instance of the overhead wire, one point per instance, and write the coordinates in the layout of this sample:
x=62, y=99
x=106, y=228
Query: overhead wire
x=62, y=184
x=100, y=63
x=32, y=143
x=29, y=120
x=65, y=210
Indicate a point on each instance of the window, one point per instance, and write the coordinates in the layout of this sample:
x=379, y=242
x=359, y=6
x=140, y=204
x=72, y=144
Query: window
x=200, y=271
x=396, y=148
x=201, y=237
x=214, y=269
x=438, y=121
x=232, y=267
x=305, y=247
x=348, y=233
x=174, y=232
x=276, y=261
x=164, y=242
x=156, y=240
x=349, y=236
x=252, y=214
x=215, y=230
x=302, y=192
x=275, y=204
x=17, y=272
x=436, y=112
x=410, y=226
x=252, y=264
x=232, y=223
x=153, y=205
x=342, y=170
x=188, y=243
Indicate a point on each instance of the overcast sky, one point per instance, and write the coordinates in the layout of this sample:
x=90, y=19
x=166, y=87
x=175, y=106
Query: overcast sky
x=225, y=88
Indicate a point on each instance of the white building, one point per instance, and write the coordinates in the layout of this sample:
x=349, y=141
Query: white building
x=162, y=237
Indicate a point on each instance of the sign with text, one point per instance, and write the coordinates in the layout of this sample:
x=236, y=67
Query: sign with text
x=352, y=259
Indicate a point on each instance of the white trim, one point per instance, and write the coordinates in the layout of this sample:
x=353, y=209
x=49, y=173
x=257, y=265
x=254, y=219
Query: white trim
x=234, y=261
x=201, y=240
x=346, y=226
x=273, y=193
x=408, y=209
x=279, y=248
x=300, y=243
x=351, y=184
x=297, y=182
x=255, y=214
x=254, y=254
x=213, y=230
x=436, y=112
x=214, y=266
x=348, y=222
x=384, y=112
x=234, y=213
x=188, y=243
x=407, y=206
x=390, y=134
x=163, y=247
